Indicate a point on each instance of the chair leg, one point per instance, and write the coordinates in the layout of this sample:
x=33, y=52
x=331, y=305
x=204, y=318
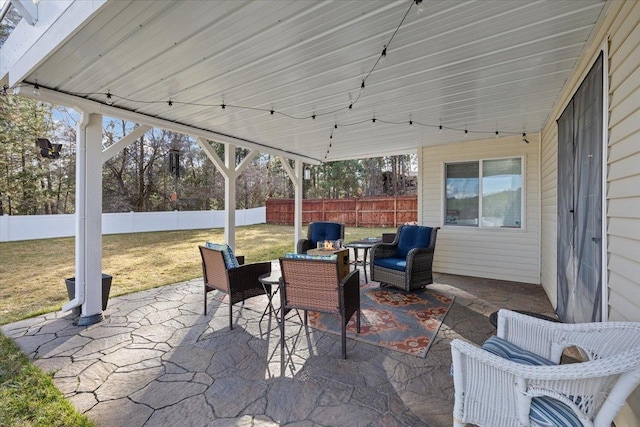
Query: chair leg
x=282, y=313
x=344, y=337
x=230, y=314
x=205, y=301
x=305, y=317
x=358, y=320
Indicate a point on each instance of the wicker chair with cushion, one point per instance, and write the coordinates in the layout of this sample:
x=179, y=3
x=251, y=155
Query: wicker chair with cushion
x=406, y=262
x=311, y=284
x=516, y=378
x=239, y=283
x=319, y=232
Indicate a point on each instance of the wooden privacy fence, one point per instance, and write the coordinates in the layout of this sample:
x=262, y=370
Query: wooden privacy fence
x=353, y=212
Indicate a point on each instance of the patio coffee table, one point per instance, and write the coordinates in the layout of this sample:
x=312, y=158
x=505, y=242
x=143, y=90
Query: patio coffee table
x=365, y=245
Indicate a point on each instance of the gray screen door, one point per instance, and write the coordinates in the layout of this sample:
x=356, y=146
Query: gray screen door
x=580, y=202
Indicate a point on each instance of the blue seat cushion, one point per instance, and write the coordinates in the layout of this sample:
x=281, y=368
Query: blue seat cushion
x=545, y=411
x=394, y=263
x=321, y=231
x=227, y=253
x=412, y=236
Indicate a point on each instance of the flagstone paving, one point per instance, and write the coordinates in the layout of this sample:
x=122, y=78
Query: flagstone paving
x=156, y=360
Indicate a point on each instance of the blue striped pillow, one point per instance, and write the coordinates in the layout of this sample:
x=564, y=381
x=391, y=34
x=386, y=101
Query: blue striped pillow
x=512, y=352
x=548, y=412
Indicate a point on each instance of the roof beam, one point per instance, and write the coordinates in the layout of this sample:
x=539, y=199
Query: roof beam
x=124, y=142
x=27, y=9
x=59, y=98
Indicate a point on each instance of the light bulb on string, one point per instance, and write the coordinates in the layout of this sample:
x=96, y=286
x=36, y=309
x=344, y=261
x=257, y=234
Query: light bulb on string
x=373, y=121
x=466, y=132
x=420, y=9
x=362, y=88
x=109, y=98
x=524, y=137
x=36, y=88
x=497, y=134
x=440, y=129
x=223, y=105
x=170, y=103
x=383, y=55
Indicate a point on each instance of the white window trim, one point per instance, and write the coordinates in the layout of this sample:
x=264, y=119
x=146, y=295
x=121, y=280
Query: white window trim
x=479, y=227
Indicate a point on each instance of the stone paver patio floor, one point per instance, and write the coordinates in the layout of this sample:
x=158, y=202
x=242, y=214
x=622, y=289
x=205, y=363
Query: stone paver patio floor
x=156, y=360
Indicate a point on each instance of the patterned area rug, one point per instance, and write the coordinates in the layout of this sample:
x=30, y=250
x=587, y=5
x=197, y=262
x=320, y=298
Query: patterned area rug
x=405, y=322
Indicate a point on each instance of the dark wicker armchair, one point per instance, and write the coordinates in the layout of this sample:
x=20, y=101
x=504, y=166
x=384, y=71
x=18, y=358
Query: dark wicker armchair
x=239, y=283
x=319, y=232
x=315, y=285
x=406, y=262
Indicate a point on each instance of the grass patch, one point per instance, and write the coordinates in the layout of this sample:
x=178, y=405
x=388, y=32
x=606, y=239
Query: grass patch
x=32, y=272
x=28, y=396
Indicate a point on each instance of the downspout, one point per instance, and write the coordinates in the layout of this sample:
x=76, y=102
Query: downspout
x=5, y=9
x=81, y=214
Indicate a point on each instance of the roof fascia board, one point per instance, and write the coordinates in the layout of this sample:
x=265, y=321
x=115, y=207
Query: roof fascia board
x=86, y=105
x=28, y=46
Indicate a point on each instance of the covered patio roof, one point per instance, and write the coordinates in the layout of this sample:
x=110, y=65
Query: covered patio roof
x=280, y=77
x=483, y=66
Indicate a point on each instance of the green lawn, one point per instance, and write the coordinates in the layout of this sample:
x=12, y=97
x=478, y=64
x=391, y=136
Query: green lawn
x=32, y=277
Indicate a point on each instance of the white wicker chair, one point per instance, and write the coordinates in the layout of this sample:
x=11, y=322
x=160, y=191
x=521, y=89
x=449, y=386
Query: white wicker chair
x=493, y=391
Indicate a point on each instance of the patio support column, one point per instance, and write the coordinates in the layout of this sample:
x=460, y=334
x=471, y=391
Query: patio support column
x=295, y=174
x=89, y=220
x=230, y=195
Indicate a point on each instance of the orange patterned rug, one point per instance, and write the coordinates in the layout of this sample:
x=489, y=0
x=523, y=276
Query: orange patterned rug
x=405, y=322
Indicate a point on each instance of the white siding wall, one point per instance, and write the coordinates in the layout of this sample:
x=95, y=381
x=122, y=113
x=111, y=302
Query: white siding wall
x=492, y=253
x=622, y=28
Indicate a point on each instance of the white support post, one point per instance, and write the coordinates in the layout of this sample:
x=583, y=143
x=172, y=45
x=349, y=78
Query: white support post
x=230, y=195
x=296, y=177
x=92, y=307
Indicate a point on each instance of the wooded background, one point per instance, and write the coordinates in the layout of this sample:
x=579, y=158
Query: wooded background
x=138, y=179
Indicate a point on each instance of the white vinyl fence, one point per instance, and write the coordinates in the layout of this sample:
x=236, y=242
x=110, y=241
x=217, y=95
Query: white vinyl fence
x=30, y=227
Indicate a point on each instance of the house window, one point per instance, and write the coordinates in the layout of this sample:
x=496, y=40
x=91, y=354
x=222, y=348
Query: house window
x=484, y=193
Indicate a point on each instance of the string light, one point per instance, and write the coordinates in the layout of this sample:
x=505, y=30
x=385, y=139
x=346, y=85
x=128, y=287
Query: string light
x=170, y=103
x=420, y=9
x=3, y=91
x=36, y=88
x=497, y=134
x=109, y=98
x=384, y=54
x=440, y=129
x=223, y=105
x=524, y=137
x=373, y=121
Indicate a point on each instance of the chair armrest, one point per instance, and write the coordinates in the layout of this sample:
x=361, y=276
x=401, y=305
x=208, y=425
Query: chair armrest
x=303, y=246
x=350, y=292
x=382, y=250
x=246, y=276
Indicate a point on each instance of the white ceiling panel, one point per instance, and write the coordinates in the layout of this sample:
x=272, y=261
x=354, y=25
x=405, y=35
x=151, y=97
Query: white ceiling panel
x=480, y=65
